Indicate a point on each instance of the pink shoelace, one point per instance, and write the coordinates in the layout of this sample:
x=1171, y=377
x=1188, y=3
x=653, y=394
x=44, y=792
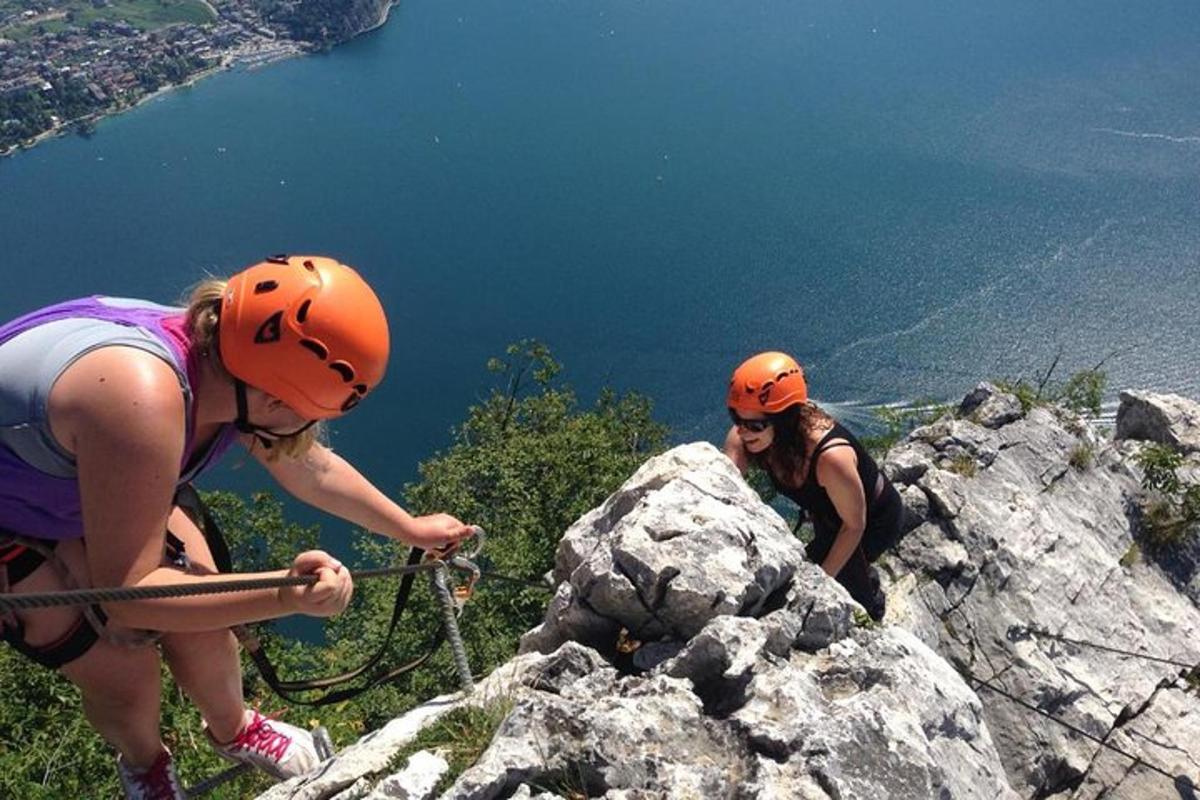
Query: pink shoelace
x=156, y=782
x=260, y=737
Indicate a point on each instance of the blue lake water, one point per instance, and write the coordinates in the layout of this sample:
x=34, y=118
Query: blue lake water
x=909, y=197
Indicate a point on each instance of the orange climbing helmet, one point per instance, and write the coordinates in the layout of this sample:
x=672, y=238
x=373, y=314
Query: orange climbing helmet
x=305, y=329
x=767, y=383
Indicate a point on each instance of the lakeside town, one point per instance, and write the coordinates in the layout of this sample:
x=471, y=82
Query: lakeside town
x=64, y=64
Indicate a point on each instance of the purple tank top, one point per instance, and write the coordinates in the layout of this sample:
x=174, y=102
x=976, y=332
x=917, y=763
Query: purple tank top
x=33, y=501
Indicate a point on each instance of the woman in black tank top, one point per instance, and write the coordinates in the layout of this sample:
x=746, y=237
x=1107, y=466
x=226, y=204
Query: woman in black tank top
x=817, y=463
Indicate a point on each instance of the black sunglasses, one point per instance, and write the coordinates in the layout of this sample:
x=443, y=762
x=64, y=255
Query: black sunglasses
x=752, y=425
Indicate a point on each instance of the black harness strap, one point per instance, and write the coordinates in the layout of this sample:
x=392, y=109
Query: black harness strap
x=188, y=500
x=291, y=690
x=17, y=562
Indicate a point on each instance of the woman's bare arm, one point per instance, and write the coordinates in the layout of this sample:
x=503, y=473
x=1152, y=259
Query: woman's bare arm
x=736, y=451
x=837, y=473
x=325, y=480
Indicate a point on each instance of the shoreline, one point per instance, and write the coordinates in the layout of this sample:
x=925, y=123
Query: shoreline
x=268, y=52
x=68, y=127
x=383, y=18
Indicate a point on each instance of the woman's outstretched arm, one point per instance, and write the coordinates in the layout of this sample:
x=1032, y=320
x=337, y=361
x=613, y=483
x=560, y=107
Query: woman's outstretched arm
x=325, y=480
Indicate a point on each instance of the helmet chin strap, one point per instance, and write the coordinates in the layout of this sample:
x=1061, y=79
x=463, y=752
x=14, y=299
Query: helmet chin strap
x=266, y=436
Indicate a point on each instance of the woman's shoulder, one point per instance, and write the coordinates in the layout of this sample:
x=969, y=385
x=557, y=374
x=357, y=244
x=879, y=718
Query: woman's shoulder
x=824, y=432
x=124, y=389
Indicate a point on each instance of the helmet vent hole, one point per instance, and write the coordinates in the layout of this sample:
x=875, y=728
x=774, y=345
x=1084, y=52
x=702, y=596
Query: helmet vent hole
x=280, y=258
x=343, y=369
x=262, y=287
x=269, y=331
x=351, y=401
x=361, y=388
x=315, y=347
x=302, y=314
x=309, y=265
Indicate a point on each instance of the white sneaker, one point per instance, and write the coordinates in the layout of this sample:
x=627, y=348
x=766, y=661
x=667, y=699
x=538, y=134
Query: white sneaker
x=156, y=782
x=282, y=751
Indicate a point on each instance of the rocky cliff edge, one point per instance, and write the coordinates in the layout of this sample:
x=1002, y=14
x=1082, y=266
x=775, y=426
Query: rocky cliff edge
x=691, y=651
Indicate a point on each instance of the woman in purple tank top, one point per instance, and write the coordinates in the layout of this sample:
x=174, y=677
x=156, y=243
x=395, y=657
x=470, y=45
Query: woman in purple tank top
x=257, y=359
x=817, y=463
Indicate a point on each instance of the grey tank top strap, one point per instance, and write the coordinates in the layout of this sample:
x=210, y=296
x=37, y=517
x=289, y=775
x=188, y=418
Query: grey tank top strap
x=33, y=360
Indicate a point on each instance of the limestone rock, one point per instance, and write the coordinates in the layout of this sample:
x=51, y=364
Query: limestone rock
x=415, y=782
x=1029, y=541
x=991, y=407
x=682, y=541
x=1164, y=418
x=753, y=675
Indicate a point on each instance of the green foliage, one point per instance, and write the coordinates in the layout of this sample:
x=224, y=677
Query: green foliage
x=1082, y=392
x=1131, y=555
x=525, y=464
x=576, y=781
x=322, y=22
x=142, y=14
x=1158, y=463
x=460, y=736
x=863, y=620
x=1027, y=395
x=1170, y=506
x=898, y=422
x=963, y=464
x=1081, y=457
x=760, y=482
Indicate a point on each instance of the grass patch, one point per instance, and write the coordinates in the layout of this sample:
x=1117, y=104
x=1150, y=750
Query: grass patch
x=1081, y=457
x=460, y=736
x=863, y=620
x=1163, y=526
x=147, y=14
x=1131, y=555
x=574, y=782
x=963, y=464
x=1082, y=391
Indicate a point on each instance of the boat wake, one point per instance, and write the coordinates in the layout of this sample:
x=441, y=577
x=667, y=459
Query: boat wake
x=974, y=299
x=1146, y=135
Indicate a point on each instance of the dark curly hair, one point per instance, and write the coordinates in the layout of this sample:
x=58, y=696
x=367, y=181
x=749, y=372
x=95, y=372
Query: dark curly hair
x=785, y=457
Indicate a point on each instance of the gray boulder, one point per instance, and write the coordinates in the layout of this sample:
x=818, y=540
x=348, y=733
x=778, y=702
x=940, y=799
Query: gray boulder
x=682, y=541
x=991, y=407
x=1164, y=418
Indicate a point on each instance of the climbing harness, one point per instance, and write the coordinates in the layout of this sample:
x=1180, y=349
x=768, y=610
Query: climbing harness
x=451, y=601
x=294, y=691
x=300, y=691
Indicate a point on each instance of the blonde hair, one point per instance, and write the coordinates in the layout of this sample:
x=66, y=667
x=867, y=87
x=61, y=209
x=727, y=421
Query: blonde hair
x=203, y=321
